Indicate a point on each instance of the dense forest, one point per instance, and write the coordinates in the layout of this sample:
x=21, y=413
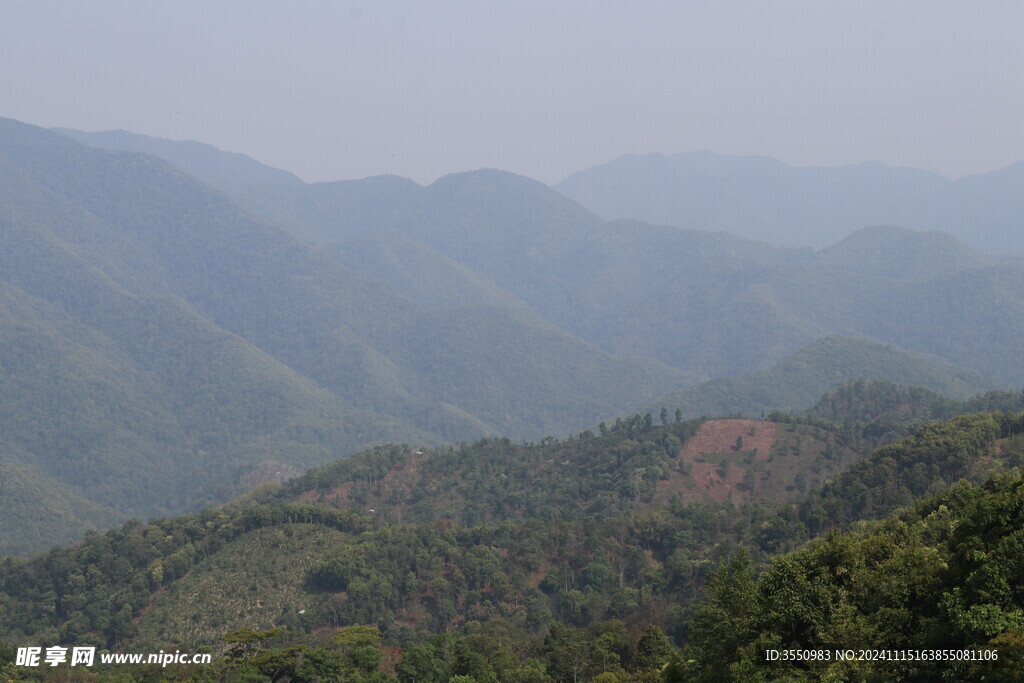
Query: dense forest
x=491, y=584
x=943, y=574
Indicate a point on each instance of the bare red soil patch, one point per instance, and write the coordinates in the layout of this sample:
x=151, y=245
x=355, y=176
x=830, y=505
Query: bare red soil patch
x=720, y=436
x=709, y=478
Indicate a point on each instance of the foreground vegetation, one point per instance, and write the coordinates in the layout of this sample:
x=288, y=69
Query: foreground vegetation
x=286, y=585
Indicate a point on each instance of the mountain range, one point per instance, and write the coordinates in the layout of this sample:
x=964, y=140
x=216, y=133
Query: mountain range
x=402, y=421
x=707, y=302
x=168, y=308
x=155, y=330
x=765, y=199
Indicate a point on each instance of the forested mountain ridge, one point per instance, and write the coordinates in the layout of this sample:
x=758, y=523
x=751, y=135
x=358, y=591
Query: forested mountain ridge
x=304, y=567
x=632, y=465
x=640, y=463
x=944, y=574
x=884, y=401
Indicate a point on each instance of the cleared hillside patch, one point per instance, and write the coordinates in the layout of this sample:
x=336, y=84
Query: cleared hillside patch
x=741, y=459
x=256, y=581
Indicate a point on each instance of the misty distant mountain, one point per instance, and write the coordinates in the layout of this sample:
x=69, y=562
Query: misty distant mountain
x=710, y=303
x=885, y=251
x=733, y=316
x=163, y=350
x=156, y=323
x=195, y=158
x=755, y=197
x=707, y=302
x=515, y=233
x=764, y=199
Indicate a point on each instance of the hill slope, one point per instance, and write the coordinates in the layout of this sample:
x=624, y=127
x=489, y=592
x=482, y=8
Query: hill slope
x=799, y=380
x=36, y=508
x=940, y=575
x=632, y=467
x=705, y=302
x=309, y=567
x=884, y=251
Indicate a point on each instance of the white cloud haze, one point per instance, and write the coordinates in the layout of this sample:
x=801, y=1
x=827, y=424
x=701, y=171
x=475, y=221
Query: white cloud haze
x=333, y=90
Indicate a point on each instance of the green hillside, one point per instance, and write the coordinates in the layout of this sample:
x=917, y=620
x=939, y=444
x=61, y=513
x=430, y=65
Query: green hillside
x=298, y=577
x=942, y=575
x=705, y=302
x=632, y=465
x=122, y=396
x=863, y=400
x=422, y=273
x=885, y=402
x=224, y=593
x=37, y=508
x=734, y=317
x=798, y=381
x=347, y=332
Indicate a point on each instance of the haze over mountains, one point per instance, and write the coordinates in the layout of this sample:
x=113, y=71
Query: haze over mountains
x=457, y=393
x=765, y=199
x=156, y=331
x=225, y=318
x=736, y=305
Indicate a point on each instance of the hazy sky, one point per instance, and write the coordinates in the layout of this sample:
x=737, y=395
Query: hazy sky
x=335, y=90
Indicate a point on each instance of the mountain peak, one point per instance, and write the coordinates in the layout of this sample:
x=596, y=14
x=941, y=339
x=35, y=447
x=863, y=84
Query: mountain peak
x=486, y=176
x=889, y=251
